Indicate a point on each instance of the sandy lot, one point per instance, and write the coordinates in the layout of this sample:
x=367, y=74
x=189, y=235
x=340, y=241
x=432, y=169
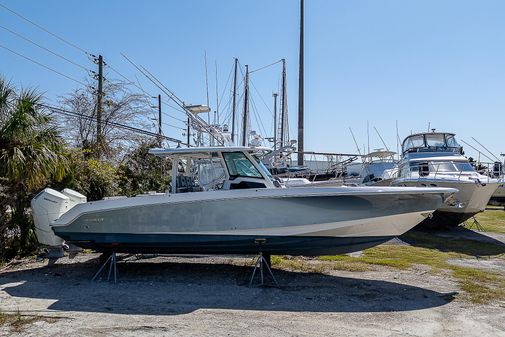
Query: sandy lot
x=202, y=296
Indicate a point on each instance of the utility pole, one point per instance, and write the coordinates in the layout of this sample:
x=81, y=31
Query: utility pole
x=159, y=122
x=234, y=107
x=99, y=134
x=300, y=92
x=275, y=120
x=246, y=107
x=283, y=103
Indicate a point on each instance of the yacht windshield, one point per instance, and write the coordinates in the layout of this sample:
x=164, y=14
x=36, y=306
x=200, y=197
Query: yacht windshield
x=464, y=167
x=451, y=142
x=240, y=166
x=442, y=167
x=435, y=140
x=413, y=142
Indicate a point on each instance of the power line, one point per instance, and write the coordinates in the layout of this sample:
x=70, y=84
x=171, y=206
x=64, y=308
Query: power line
x=119, y=125
x=173, y=126
x=44, y=48
x=42, y=65
x=45, y=30
x=130, y=82
x=194, y=117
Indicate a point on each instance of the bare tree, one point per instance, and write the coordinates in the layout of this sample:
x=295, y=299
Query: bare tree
x=119, y=106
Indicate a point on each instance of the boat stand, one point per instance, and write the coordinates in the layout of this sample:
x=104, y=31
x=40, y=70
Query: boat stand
x=475, y=223
x=112, y=261
x=261, y=262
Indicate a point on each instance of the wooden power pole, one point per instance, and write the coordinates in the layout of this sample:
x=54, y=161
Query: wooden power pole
x=99, y=130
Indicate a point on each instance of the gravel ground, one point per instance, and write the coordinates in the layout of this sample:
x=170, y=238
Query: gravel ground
x=209, y=296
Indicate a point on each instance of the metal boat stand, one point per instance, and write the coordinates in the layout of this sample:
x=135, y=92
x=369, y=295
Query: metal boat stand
x=261, y=262
x=112, y=261
x=475, y=223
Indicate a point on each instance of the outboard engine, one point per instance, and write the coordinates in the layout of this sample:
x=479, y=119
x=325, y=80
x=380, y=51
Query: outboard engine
x=48, y=206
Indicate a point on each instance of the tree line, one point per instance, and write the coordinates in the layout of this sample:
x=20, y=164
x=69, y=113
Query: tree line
x=39, y=148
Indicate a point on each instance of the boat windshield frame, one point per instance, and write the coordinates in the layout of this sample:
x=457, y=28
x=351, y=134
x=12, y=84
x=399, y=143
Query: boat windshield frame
x=431, y=142
x=249, y=167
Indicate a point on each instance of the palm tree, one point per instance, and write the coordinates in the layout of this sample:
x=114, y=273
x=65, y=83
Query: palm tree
x=31, y=155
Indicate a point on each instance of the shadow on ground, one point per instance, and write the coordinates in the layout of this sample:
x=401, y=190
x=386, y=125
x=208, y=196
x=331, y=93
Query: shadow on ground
x=170, y=288
x=459, y=240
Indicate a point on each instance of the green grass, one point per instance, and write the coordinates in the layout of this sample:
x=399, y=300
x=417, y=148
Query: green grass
x=492, y=220
x=478, y=286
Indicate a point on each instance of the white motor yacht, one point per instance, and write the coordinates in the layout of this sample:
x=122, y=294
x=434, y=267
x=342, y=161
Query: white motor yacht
x=435, y=159
x=224, y=201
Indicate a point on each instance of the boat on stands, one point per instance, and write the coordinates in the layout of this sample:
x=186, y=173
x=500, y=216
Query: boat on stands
x=435, y=159
x=223, y=200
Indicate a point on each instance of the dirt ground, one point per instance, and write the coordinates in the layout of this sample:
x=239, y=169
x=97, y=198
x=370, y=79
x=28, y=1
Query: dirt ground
x=209, y=296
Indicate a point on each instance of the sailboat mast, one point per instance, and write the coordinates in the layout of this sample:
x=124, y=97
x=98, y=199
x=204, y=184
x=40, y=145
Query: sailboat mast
x=275, y=119
x=283, y=103
x=246, y=106
x=234, y=107
x=300, y=92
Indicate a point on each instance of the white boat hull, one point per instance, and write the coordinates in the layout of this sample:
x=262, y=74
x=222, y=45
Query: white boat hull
x=301, y=221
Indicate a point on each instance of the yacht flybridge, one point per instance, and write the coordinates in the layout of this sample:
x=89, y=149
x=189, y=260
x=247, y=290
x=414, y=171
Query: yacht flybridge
x=224, y=201
x=436, y=159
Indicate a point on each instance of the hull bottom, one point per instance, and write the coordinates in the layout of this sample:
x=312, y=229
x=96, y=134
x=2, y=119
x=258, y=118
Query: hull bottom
x=445, y=220
x=497, y=201
x=222, y=244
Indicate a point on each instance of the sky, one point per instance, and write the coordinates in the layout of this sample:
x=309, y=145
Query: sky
x=437, y=64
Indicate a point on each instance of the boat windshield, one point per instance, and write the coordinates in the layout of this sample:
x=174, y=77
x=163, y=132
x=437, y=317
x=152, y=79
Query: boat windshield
x=264, y=168
x=211, y=173
x=451, y=141
x=435, y=140
x=464, y=167
x=413, y=142
x=240, y=166
x=443, y=166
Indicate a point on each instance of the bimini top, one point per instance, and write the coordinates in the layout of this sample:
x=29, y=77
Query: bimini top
x=380, y=154
x=203, y=151
x=431, y=142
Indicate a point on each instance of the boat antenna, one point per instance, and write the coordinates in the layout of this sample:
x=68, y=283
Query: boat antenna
x=356, y=143
x=485, y=148
x=383, y=142
x=397, y=140
x=429, y=126
x=368, y=135
x=217, y=97
x=207, y=84
x=473, y=147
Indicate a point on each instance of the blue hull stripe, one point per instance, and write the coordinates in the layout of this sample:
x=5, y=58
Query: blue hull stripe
x=221, y=244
